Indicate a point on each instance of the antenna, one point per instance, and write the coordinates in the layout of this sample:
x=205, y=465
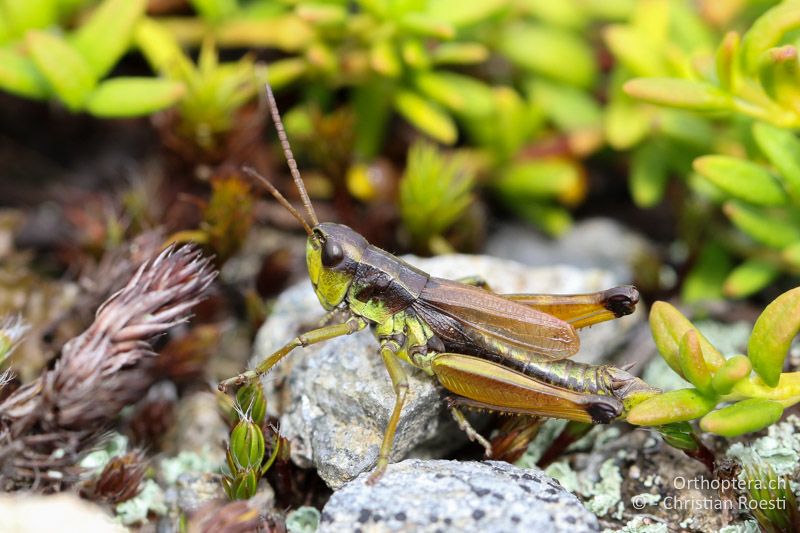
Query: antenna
x=278, y=196
x=287, y=152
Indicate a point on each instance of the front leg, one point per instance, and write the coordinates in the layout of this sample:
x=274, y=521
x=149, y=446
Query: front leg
x=397, y=374
x=352, y=325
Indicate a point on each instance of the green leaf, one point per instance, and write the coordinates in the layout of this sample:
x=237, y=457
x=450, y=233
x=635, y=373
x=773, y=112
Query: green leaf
x=669, y=326
x=372, y=102
x=649, y=175
x=761, y=225
x=734, y=370
x=68, y=74
x=674, y=406
x=161, y=49
x=461, y=13
x=558, y=54
x=749, y=277
x=742, y=417
x=133, y=97
x=460, y=53
x=19, y=75
x=704, y=281
x=425, y=25
x=741, y=179
x=680, y=93
x=384, y=59
x=679, y=435
x=551, y=219
x=426, y=116
x=322, y=14
x=767, y=31
x=107, y=34
x=772, y=335
x=727, y=56
x=20, y=16
x=791, y=254
x=543, y=179
x=638, y=53
x=215, y=10
x=284, y=72
x=461, y=94
x=626, y=124
x=569, y=108
x=779, y=74
x=782, y=148
x=693, y=366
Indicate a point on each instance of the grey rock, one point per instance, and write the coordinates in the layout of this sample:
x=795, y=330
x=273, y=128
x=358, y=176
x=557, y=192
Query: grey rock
x=593, y=243
x=335, y=398
x=422, y=496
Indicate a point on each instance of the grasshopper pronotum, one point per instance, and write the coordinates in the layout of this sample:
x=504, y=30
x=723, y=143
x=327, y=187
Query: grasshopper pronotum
x=501, y=352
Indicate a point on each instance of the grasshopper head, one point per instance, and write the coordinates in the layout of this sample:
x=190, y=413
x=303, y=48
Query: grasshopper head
x=332, y=255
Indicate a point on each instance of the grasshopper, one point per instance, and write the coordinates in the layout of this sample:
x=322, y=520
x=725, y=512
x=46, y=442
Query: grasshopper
x=499, y=352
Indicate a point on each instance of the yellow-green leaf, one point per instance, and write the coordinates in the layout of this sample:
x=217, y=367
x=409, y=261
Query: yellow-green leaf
x=675, y=92
x=133, y=97
x=426, y=116
x=782, y=148
x=460, y=53
x=461, y=94
x=648, y=175
x=107, y=34
x=692, y=363
x=673, y=406
x=734, y=370
x=19, y=75
x=741, y=179
x=66, y=71
x=742, y=417
x=761, y=225
x=727, y=55
x=668, y=326
x=767, y=31
x=772, y=335
x=555, y=53
x=749, y=278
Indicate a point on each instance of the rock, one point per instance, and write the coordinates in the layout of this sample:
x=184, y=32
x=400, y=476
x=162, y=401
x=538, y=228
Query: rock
x=335, y=398
x=34, y=513
x=420, y=496
x=198, y=428
x=593, y=243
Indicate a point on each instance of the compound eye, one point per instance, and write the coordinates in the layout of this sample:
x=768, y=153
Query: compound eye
x=332, y=254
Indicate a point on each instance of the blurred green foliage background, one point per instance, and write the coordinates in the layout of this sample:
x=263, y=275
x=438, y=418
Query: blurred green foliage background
x=521, y=104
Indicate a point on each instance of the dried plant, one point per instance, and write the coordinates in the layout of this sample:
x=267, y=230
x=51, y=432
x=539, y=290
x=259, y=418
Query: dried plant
x=119, y=481
x=47, y=424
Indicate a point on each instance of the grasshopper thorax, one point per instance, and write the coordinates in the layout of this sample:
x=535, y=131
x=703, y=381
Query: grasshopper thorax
x=333, y=252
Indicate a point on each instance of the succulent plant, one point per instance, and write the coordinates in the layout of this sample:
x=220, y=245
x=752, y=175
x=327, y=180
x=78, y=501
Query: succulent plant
x=749, y=402
x=42, y=64
x=755, y=176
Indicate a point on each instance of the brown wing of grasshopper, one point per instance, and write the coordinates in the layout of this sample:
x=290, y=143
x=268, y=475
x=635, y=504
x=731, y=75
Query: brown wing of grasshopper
x=582, y=310
x=474, y=321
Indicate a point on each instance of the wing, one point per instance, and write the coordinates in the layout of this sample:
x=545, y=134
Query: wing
x=582, y=310
x=470, y=319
